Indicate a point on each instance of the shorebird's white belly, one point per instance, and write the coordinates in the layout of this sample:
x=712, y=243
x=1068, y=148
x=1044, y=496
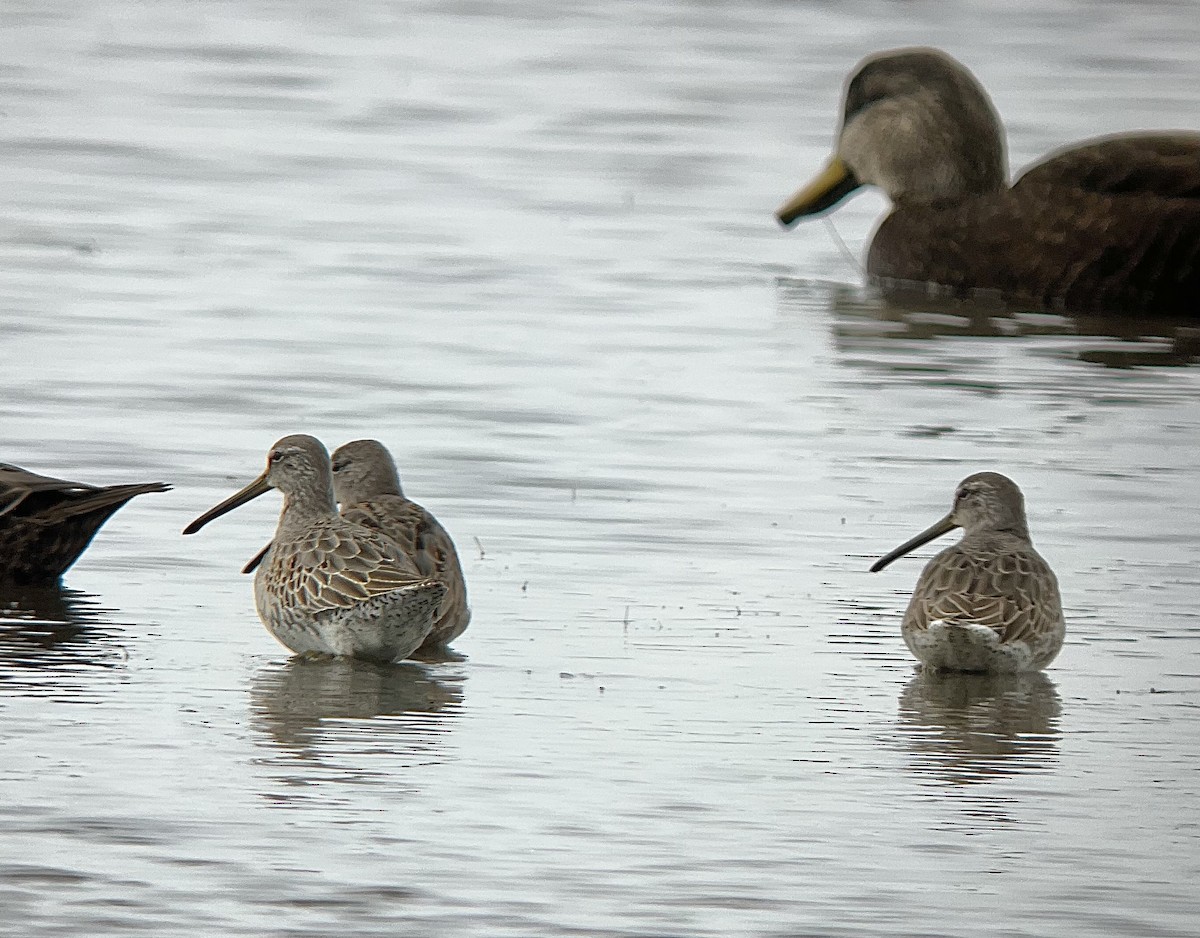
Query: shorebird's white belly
x=386, y=627
x=966, y=646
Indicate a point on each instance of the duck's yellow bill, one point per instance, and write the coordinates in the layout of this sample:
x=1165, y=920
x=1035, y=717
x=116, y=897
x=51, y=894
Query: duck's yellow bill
x=831, y=185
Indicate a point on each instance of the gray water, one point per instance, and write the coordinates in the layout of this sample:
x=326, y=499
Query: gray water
x=530, y=246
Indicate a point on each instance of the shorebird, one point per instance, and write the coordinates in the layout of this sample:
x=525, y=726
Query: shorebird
x=990, y=603
x=1111, y=225
x=45, y=523
x=367, y=486
x=326, y=585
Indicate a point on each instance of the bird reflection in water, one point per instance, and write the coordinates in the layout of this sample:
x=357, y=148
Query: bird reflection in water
x=317, y=710
x=967, y=728
x=862, y=321
x=49, y=635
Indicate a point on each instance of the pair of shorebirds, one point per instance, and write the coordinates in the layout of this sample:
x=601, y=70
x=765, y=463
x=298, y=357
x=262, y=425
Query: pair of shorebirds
x=377, y=581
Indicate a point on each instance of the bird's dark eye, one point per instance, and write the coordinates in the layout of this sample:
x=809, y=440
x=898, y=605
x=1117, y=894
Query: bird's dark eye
x=338, y=465
x=276, y=456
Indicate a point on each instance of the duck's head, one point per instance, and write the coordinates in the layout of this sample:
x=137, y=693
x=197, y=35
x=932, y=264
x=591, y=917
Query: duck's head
x=916, y=124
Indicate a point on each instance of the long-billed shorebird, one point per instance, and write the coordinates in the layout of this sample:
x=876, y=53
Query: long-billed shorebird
x=367, y=487
x=989, y=603
x=45, y=523
x=325, y=584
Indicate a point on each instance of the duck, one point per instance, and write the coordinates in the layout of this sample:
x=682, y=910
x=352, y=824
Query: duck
x=1109, y=226
x=47, y=523
x=990, y=603
x=326, y=586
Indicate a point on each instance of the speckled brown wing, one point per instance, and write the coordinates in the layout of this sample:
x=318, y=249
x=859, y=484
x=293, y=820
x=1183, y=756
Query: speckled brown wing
x=430, y=549
x=336, y=565
x=46, y=523
x=1074, y=234
x=1010, y=589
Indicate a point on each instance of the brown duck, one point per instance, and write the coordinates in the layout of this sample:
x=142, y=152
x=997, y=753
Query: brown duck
x=1108, y=226
x=45, y=523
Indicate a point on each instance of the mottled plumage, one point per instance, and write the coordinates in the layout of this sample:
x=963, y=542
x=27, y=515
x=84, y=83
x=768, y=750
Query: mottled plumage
x=326, y=585
x=1109, y=226
x=45, y=523
x=367, y=486
x=989, y=603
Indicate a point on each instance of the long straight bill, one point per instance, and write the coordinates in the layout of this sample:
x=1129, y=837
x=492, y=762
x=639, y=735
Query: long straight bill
x=251, y=491
x=942, y=527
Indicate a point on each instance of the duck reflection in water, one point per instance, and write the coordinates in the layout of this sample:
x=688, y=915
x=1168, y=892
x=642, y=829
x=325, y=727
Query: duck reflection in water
x=48, y=633
x=310, y=708
x=967, y=728
x=864, y=323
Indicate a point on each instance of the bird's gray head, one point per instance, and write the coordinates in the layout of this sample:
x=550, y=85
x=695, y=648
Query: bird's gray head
x=363, y=470
x=917, y=124
x=298, y=464
x=989, y=501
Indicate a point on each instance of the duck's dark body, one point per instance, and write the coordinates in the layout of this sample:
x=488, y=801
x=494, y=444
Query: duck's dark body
x=45, y=523
x=1111, y=226
x=1107, y=227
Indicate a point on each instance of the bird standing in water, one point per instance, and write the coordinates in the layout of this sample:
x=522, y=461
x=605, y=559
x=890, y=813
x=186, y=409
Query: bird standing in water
x=990, y=603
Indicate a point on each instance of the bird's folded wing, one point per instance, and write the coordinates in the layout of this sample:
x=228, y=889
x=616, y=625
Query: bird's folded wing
x=1008, y=592
x=333, y=569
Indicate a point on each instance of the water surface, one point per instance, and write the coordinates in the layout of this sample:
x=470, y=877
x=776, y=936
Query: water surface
x=530, y=247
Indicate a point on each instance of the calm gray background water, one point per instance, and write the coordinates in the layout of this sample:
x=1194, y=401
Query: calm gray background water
x=530, y=246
